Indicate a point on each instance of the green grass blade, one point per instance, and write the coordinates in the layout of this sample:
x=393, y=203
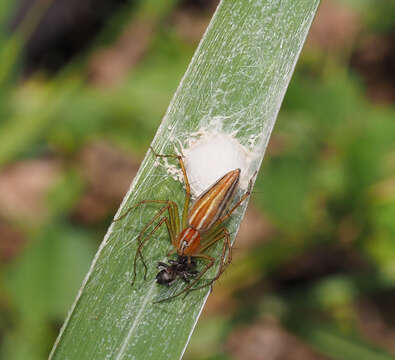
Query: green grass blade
x=339, y=348
x=238, y=76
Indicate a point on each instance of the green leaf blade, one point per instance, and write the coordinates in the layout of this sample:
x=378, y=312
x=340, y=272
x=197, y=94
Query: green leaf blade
x=238, y=76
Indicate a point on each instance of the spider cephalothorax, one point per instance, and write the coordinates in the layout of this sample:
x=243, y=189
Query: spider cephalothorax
x=183, y=267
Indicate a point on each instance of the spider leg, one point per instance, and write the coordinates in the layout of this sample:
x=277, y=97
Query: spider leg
x=187, y=185
x=157, y=215
x=140, y=246
x=172, y=225
x=172, y=208
x=135, y=206
x=226, y=257
x=241, y=200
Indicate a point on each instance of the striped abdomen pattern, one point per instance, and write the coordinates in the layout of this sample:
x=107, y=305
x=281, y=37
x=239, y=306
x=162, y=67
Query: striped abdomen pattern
x=212, y=204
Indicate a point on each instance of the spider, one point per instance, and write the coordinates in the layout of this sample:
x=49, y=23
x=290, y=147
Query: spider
x=200, y=226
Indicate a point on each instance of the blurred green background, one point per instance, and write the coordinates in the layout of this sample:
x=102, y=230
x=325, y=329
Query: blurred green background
x=83, y=87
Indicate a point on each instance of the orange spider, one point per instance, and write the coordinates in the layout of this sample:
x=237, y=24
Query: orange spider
x=200, y=226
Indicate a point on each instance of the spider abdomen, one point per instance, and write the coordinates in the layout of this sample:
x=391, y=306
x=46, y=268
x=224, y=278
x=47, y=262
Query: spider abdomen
x=211, y=205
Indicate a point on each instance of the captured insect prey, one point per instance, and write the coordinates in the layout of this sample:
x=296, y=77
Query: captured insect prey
x=200, y=226
x=181, y=268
